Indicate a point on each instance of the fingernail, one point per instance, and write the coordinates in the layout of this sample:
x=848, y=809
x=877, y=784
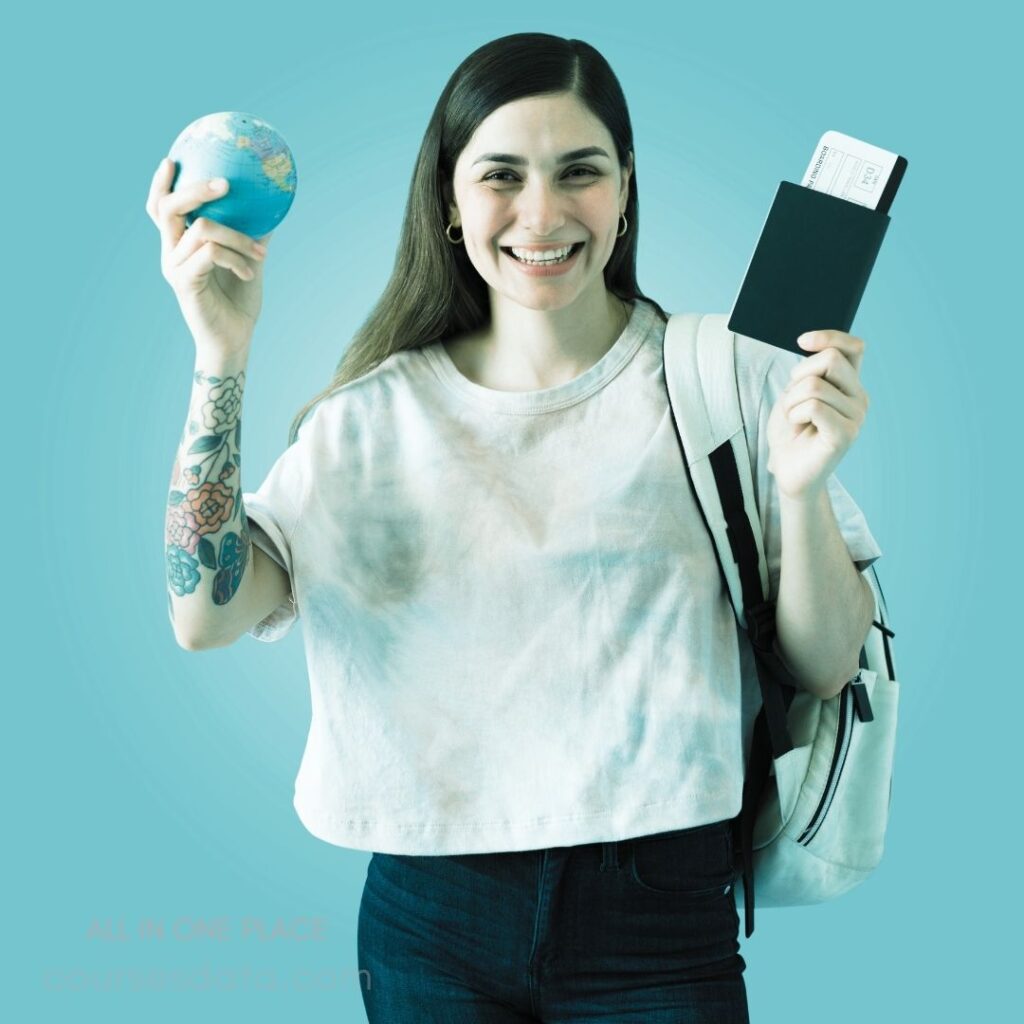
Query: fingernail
x=218, y=184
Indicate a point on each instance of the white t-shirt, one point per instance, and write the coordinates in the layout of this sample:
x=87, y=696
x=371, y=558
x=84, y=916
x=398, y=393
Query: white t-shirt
x=515, y=628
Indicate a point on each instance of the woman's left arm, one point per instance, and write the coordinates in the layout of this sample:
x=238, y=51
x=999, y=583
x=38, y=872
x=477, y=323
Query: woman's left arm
x=824, y=606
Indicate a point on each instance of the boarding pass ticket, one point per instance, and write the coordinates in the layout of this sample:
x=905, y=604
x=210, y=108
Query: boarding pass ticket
x=850, y=169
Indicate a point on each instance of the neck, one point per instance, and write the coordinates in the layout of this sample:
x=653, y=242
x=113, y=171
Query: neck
x=525, y=349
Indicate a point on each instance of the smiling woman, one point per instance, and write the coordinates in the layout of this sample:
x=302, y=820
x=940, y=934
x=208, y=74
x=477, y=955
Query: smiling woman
x=526, y=701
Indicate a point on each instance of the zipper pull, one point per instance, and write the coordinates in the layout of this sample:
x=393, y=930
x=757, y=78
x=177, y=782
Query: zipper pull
x=861, y=703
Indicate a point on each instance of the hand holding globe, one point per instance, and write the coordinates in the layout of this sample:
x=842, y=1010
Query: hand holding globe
x=210, y=239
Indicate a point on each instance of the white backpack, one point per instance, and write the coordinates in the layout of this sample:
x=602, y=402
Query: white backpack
x=818, y=777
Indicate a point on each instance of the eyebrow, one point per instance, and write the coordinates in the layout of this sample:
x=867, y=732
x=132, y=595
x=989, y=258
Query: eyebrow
x=509, y=158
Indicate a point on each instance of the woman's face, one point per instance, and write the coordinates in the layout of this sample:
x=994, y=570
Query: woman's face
x=512, y=188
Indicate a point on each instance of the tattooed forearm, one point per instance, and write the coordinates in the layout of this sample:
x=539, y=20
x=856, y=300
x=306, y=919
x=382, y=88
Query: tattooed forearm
x=206, y=536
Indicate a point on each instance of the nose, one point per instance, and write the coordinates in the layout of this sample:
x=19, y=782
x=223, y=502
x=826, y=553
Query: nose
x=540, y=209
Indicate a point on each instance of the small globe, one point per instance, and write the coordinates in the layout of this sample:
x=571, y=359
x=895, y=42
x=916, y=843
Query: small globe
x=253, y=157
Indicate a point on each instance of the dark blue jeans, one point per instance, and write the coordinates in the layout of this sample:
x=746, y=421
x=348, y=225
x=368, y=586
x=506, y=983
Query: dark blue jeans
x=643, y=930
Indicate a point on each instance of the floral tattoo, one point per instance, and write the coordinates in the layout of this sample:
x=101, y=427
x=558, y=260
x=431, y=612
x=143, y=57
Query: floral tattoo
x=205, y=497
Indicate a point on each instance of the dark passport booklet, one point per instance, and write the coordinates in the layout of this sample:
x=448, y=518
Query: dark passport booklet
x=810, y=267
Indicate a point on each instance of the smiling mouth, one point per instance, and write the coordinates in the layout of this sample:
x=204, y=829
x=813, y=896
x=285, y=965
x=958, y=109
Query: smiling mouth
x=544, y=263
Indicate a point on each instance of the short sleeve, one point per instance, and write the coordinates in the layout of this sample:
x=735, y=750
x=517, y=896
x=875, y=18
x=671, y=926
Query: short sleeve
x=273, y=512
x=853, y=526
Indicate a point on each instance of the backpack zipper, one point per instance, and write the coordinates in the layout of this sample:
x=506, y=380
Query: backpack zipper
x=886, y=634
x=844, y=735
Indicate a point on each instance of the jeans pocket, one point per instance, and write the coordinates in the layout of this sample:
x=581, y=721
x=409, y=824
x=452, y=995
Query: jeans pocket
x=688, y=864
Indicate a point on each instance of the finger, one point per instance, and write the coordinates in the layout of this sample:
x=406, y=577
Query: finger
x=834, y=428
x=172, y=207
x=851, y=346
x=205, y=229
x=797, y=398
x=211, y=254
x=159, y=185
x=829, y=364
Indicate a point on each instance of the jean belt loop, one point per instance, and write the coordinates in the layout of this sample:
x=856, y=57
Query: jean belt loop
x=610, y=856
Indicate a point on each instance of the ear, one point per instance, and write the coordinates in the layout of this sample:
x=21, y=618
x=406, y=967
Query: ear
x=448, y=192
x=627, y=173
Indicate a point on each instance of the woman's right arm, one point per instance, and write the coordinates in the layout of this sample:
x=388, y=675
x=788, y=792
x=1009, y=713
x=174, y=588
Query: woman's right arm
x=218, y=584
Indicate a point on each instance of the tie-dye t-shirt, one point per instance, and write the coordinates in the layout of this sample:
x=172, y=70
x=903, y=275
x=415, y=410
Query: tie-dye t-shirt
x=515, y=628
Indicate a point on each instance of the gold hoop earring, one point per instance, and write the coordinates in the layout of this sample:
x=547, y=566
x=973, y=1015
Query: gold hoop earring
x=625, y=226
x=448, y=232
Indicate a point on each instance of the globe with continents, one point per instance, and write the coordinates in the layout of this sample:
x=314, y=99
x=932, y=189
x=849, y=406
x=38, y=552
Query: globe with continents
x=253, y=157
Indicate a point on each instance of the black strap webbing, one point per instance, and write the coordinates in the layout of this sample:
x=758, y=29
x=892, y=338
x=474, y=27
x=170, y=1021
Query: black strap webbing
x=771, y=730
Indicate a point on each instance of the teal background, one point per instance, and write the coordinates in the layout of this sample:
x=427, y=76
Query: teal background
x=147, y=782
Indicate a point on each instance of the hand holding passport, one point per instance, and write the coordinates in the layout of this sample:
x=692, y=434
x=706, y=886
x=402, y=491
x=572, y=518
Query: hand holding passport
x=818, y=244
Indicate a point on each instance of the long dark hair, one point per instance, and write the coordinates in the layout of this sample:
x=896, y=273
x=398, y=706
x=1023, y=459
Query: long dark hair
x=435, y=291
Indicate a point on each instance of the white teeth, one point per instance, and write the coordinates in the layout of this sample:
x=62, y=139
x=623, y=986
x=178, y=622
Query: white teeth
x=550, y=256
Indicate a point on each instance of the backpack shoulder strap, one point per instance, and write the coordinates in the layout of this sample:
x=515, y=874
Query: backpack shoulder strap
x=700, y=374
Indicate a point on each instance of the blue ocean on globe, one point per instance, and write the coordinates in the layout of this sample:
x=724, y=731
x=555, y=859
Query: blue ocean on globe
x=253, y=157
